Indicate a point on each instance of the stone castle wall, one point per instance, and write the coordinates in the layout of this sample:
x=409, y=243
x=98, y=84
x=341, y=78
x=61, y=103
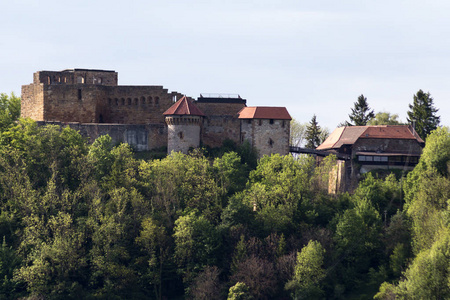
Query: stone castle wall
x=266, y=135
x=32, y=102
x=140, y=137
x=89, y=96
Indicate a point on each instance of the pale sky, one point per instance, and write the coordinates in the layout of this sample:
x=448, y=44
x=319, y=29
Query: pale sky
x=313, y=57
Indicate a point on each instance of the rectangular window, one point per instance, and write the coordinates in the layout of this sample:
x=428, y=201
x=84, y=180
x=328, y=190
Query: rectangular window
x=369, y=158
x=377, y=158
x=271, y=121
x=79, y=94
x=361, y=158
x=384, y=158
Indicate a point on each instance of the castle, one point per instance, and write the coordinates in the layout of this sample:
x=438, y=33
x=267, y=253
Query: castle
x=150, y=117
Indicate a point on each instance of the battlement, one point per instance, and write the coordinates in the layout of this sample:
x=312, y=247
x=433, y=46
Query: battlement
x=76, y=76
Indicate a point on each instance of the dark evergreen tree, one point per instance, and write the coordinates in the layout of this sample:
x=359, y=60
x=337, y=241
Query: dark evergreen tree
x=361, y=113
x=422, y=114
x=313, y=132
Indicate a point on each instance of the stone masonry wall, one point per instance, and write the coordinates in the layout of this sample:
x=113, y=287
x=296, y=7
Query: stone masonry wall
x=216, y=129
x=221, y=122
x=140, y=137
x=76, y=76
x=32, y=102
x=268, y=136
x=136, y=104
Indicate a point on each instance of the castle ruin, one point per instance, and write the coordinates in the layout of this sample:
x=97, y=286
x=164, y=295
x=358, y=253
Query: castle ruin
x=149, y=117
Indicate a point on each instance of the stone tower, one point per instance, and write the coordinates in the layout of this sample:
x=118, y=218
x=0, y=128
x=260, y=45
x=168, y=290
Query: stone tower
x=184, y=121
x=267, y=128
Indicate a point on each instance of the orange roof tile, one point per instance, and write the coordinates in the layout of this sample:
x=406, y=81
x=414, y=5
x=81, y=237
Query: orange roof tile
x=264, y=112
x=184, y=106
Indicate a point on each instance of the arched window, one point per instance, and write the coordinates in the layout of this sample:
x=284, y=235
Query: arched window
x=143, y=101
x=129, y=101
x=123, y=101
x=49, y=80
x=117, y=101
x=157, y=101
x=109, y=101
x=150, y=101
x=136, y=101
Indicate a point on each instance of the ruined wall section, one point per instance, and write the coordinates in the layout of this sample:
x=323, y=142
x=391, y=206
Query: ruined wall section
x=76, y=76
x=136, y=104
x=32, y=102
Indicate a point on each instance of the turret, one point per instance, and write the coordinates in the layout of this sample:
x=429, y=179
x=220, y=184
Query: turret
x=184, y=121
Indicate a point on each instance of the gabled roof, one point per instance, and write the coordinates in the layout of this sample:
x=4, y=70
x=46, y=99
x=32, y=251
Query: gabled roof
x=348, y=135
x=184, y=106
x=264, y=112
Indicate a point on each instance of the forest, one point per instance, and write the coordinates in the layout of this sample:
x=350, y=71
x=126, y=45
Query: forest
x=99, y=221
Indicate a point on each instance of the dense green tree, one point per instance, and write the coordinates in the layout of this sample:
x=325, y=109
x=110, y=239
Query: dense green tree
x=423, y=114
x=9, y=110
x=196, y=244
x=308, y=273
x=384, y=118
x=361, y=112
x=313, y=134
x=155, y=242
x=239, y=291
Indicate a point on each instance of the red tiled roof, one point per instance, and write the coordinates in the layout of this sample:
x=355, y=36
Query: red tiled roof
x=264, y=112
x=350, y=134
x=184, y=106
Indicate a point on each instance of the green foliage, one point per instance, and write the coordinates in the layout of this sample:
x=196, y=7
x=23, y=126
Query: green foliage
x=313, y=134
x=308, y=273
x=196, y=244
x=297, y=133
x=239, y=291
x=423, y=114
x=384, y=118
x=428, y=275
x=361, y=113
x=9, y=110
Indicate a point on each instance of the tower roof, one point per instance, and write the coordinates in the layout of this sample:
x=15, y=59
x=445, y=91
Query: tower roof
x=184, y=106
x=264, y=112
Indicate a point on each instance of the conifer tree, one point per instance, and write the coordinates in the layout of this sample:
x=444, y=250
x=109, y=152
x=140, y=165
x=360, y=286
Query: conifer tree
x=361, y=113
x=422, y=114
x=313, y=134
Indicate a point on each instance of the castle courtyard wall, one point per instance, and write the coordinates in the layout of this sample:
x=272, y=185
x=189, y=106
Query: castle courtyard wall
x=140, y=137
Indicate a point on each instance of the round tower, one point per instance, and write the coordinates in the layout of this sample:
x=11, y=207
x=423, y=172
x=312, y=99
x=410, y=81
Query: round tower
x=184, y=121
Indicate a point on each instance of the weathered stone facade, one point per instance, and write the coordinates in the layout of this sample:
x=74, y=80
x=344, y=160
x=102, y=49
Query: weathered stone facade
x=92, y=102
x=267, y=135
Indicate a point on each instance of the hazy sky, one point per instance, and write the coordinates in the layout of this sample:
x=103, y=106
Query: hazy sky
x=314, y=57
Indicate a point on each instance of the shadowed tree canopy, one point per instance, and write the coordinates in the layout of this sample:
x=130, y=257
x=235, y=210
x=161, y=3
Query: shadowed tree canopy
x=361, y=113
x=422, y=114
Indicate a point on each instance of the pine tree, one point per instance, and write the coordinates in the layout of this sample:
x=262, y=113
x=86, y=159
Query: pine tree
x=313, y=132
x=361, y=113
x=422, y=114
